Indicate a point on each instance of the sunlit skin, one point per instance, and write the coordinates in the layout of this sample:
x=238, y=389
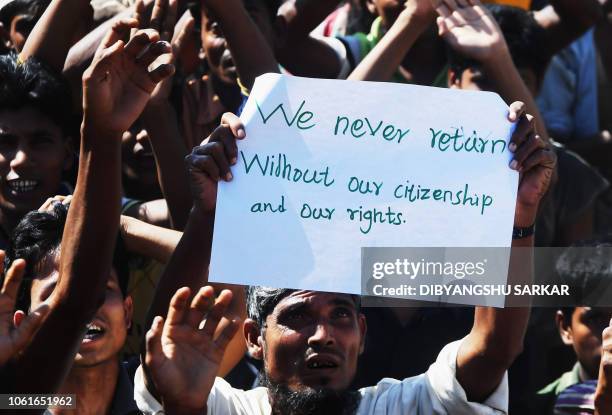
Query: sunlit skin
x=19, y=30
x=473, y=78
x=214, y=44
x=584, y=335
x=308, y=329
x=32, y=148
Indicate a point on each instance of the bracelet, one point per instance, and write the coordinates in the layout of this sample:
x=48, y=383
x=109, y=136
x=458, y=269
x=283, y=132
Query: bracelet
x=520, y=233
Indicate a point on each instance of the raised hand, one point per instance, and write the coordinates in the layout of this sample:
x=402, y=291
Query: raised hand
x=210, y=162
x=164, y=19
x=469, y=28
x=183, y=357
x=178, y=39
x=48, y=205
x=118, y=84
x=534, y=160
x=12, y=341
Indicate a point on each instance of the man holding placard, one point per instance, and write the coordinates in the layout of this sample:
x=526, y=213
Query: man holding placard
x=309, y=341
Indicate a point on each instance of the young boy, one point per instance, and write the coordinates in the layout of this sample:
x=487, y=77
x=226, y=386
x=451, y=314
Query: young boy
x=586, y=268
x=35, y=144
x=231, y=51
x=100, y=382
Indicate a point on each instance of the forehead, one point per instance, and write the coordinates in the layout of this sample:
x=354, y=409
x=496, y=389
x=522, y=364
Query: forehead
x=47, y=275
x=315, y=299
x=26, y=121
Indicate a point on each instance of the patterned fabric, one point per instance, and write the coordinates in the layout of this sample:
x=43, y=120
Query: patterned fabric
x=578, y=399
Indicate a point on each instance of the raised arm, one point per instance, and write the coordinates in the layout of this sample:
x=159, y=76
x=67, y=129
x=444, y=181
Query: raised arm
x=301, y=53
x=497, y=336
x=564, y=21
x=250, y=49
x=382, y=62
x=188, y=266
x=161, y=121
x=53, y=34
x=116, y=88
x=149, y=240
x=473, y=32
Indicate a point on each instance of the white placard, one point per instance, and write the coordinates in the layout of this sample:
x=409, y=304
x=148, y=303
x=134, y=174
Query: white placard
x=331, y=166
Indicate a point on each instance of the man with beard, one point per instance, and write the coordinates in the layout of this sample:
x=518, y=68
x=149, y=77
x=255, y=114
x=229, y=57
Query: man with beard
x=310, y=341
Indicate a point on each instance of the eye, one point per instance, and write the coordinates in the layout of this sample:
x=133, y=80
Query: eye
x=342, y=312
x=216, y=29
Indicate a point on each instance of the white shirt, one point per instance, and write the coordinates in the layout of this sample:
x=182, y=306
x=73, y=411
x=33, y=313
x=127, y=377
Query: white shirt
x=432, y=393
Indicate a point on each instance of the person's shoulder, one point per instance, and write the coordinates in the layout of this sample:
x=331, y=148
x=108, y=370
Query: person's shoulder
x=544, y=400
x=394, y=396
x=563, y=382
x=224, y=399
x=389, y=384
x=420, y=392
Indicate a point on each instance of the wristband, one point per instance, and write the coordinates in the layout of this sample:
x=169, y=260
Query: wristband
x=520, y=233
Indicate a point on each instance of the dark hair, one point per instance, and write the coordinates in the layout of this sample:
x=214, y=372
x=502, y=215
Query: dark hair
x=32, y=84
x=37, y=238
x=272, y=7
x=262, y=300
x=587, y=269
x=34, y=8
x=524, y=36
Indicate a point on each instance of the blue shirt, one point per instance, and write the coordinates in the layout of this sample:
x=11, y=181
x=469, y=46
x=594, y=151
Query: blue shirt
x=568, y=99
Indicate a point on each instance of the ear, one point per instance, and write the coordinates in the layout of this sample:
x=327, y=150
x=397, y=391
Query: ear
x=18, y=318
x=280, y=32
x=128, y=311
x=453, y=79
x=371, y=6
x=565, y=328
x=254, y=339
x=363, y=329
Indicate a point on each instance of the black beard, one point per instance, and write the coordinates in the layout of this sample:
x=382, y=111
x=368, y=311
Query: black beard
x=310, y=401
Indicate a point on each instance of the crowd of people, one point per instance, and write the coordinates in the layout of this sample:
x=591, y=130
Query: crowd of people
x=118, y=120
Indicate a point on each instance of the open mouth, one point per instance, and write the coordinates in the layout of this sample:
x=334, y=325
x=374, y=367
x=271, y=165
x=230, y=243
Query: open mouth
x=228, y=65
x=321, y=362
x=22, y=185
x=93, y=332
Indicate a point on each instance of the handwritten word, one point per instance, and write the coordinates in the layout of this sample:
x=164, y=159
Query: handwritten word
x=363, y=186
x=372, y=216
x=460, y=197
x=442, y=141
x=278, y=166
x=301, y=117
x=267, y=207
x=309, y=212
x=358, y=129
